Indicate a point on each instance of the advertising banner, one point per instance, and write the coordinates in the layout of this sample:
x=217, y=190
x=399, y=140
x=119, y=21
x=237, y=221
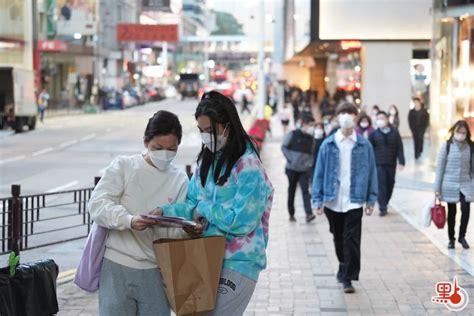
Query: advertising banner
x=76, y=17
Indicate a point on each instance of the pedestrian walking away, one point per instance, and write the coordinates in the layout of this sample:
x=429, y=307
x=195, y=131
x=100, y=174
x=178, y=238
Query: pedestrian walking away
x=284, y=114
x=132, y=186
x=298, y=148
x=245, y=104
x=388, y=147
x=231, y=191
x=455, y=179
x=418, y=120
x=344, y=180
x=43, y=101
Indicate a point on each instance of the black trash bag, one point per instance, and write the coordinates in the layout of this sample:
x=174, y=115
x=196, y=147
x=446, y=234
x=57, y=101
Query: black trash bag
x=34, y=288
x=7, y=304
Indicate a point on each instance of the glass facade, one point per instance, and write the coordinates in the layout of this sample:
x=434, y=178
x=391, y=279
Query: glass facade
x=452, y=87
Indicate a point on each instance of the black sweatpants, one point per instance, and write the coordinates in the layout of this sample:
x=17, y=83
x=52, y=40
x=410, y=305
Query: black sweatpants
x=465, y=210
x=418, y=139
x=295, y=177
x=386, y=179
x=346, y=229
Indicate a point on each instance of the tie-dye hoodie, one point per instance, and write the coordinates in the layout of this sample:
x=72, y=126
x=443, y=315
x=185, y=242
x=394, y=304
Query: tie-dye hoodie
x=241, y=207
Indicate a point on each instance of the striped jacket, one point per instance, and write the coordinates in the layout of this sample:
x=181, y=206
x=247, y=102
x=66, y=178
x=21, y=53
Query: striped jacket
x=454, y=173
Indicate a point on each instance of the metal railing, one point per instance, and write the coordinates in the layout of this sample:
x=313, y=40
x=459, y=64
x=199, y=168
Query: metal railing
x=40, y=220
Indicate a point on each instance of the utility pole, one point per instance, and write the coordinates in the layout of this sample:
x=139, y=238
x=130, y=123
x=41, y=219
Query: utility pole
x=261, y=94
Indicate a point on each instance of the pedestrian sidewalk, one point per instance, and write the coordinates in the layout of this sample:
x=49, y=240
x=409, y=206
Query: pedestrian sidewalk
x=400, y=265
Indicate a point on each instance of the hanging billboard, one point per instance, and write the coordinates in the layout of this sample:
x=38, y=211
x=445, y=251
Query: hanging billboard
x=76, y=17
x=375, y=19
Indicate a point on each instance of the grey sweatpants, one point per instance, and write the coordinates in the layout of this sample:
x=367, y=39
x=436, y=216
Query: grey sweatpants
x=233, y=295
x=126, y=291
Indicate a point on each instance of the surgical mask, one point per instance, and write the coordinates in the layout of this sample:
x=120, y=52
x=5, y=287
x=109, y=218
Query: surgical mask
x=380, y=123
x=346, y=120
x=364, y=124
x=309, y=130
x=393, y=112
x=298, y=125
x=459, y=137
x=318, y=133
x=161, y=158
x=208, y=141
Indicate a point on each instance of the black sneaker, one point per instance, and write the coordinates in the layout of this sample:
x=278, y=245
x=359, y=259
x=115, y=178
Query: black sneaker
x=292, y=219
x=383, y=213
x=348, y=288
x=463, y=242
x=451, y=244
x=310, y=218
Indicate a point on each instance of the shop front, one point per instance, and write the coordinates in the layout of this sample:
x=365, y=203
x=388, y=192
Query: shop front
x=452, y=87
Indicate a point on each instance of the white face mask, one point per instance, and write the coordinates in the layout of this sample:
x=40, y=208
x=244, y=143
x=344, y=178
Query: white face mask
x=346, y=120
x=459, y=137
x=318, y=133
x=208, y=141
x=161, y=158
x=309, y=130
x=380, y=123
x=364, y=124
x=393, y=112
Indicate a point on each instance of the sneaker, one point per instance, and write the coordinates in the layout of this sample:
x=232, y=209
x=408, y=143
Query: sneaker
x=383, y=213
x=348, y=288
x=451, y=244
x=463, y=242
x=292, y=219
x=310, y=218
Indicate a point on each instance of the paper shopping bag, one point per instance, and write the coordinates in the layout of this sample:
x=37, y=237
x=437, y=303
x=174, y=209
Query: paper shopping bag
x=190, y=270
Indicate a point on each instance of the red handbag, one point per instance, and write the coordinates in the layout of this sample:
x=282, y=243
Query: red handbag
x=438, y=214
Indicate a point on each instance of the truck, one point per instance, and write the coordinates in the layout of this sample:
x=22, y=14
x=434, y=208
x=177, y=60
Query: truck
x=17, y=99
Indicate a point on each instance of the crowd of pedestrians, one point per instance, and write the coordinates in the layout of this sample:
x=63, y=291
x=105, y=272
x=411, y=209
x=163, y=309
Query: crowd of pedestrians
x=344, y=161
x=355, y=155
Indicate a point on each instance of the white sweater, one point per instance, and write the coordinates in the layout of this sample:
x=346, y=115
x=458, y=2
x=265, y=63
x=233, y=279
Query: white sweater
x=130, y=186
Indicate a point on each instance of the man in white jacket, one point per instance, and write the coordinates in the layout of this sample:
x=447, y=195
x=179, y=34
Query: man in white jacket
x=130, y=282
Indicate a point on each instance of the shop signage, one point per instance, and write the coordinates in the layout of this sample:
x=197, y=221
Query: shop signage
x=52, y=46
x=147, y=32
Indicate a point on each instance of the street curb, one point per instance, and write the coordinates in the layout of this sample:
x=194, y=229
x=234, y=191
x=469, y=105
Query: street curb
x=441, y=247
x=66, y=276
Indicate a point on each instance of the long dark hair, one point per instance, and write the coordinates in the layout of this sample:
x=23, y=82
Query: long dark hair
x=455, y=127
x=221, y=110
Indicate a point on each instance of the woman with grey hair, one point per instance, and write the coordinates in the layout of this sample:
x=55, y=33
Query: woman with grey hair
x=455, y=178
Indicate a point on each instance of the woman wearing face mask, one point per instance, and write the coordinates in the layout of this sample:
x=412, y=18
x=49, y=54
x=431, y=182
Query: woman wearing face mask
x=455, y=179
x=298, y=149
x=364, y=125
x=231, y=191
x=393, y=118
x=319, y=136
x=130, y=282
